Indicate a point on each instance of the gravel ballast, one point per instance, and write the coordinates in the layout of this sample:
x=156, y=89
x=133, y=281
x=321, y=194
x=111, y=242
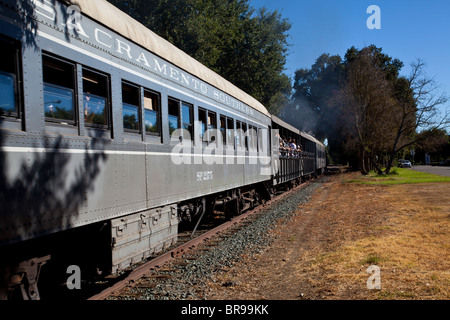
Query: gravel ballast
x=188, y=280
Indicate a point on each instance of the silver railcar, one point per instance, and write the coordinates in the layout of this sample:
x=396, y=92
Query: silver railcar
x=110, y=136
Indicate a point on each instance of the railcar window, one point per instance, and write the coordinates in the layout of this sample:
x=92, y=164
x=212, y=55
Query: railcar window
x=230, y=132
x=238, y=133
x=253, y=137
x=7, y=94
x=249, y=136
x=212, y=120
x=223, y=129
x=245, y=135
x=96, y=99
x=59, y=90
x=9, y=102
x=212, y=124
x=174, y=115
x=187, y=121
x=201, y=123
x=130, y=107
x=207, y=120
x=152, y=113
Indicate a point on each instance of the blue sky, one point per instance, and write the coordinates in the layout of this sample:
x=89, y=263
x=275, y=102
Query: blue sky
x=409, y=30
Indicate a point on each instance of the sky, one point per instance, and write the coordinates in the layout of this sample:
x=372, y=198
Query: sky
x=410, y=30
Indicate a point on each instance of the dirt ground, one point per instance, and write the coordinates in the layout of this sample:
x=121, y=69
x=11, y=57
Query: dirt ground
x=325, y=250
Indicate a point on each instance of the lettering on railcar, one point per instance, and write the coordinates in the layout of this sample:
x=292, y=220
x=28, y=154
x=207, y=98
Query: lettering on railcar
x=119, y=46
x=205, y=176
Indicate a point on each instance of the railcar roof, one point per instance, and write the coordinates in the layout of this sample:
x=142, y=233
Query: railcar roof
x=295, y=130
x=113, y=18
x=310, y=137
x=285, y=124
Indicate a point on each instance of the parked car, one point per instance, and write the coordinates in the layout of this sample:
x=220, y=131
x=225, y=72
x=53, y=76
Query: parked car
x=405, y=164
x=445, y=163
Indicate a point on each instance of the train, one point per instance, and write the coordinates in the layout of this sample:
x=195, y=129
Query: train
x=111, y=138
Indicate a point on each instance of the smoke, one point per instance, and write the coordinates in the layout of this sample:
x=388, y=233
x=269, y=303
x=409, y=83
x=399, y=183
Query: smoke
x=309, y=117
x=302, y=115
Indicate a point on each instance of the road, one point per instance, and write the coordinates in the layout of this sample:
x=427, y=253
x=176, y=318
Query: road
x=442, y=171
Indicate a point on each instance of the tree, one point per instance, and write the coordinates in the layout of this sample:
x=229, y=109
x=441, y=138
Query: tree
x=265, y=49
x=246, y=47
x=313, y=108
x=365, y=109
x=417, y=118
x=389, y=113
x=436, y=144
x=311, y=99
x=366, y=95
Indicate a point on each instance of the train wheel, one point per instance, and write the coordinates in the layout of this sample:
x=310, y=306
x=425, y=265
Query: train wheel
x=20, y=281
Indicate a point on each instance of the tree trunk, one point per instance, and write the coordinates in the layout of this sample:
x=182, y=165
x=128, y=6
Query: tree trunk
x=390, y=161
x=362, y=162
x=375, y=165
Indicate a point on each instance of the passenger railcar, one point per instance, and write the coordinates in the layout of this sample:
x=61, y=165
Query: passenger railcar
x=110, y=136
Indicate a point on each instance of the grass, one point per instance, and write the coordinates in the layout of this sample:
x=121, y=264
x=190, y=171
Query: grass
x=371, y=259
x=400, y=176
x=403, y=229
x=413, y=253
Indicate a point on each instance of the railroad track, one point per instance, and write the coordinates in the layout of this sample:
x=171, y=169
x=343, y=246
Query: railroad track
x=147, y=276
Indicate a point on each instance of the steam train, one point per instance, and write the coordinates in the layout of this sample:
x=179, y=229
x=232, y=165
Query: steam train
x=111, y=137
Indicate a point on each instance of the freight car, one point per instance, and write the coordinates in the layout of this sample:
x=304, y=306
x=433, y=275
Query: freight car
x=110, y=137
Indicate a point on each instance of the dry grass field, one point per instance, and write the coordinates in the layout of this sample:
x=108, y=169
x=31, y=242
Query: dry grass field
x=327, y=246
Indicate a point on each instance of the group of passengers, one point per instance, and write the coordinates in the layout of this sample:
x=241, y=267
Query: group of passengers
x=289, y=147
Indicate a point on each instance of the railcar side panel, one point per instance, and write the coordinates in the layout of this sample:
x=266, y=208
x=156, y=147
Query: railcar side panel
x=91, y=140
x=102, y=173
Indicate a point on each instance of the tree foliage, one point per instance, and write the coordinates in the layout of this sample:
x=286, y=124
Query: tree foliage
x=311, y=99
x=245, y=46
x=365, y=108
x=313, y=108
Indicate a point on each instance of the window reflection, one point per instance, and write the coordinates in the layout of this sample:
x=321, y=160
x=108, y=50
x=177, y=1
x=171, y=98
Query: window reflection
x=202, y=123
x=151, y=121
x=59, y=84
x=7, y=94
x=95, y=98
x=187, y=121
x=130, y=117
x=94, y=110
x=174, y=115
x=130, y=107
x=173, y=123
x=9, y=77
x=151, y=110
x=58, y=103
